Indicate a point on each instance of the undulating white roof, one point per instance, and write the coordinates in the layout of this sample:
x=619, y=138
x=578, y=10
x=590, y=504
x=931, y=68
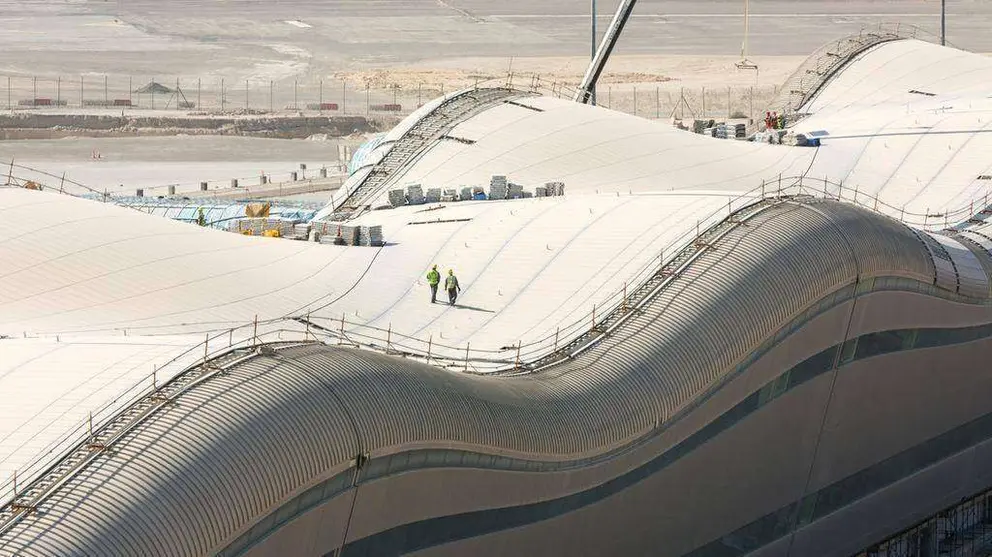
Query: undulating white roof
x=96, y=297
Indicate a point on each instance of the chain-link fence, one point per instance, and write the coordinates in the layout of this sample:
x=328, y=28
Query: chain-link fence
x=214, y=95
x=662, y=102
x=209, y=95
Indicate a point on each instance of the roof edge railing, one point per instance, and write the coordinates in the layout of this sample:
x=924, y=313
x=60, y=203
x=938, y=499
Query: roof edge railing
x=565, y=342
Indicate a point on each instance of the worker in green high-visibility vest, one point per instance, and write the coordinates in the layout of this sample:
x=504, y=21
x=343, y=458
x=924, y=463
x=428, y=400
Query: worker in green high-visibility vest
x=433, y=279
x=451, y=285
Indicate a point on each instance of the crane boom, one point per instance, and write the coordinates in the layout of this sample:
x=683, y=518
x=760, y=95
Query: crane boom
x=588, y=84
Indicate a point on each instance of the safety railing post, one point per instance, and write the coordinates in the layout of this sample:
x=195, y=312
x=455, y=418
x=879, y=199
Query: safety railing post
x=254, y=334
x=306, y=335
x=467, y=346
x=230, y=338
x=624, y=306
x=593, y=328
x=206, y=345
x=389, y=338
x=341, y=333
x=517, y=362
x=557, y=330
x=779, y=186
x=762, y=189
x=430, y=343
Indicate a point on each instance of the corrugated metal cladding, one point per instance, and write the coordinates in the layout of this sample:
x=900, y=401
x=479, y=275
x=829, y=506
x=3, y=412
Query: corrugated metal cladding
x=981, y=245
x=946, y=275
x=972, y=280
x=230, y=452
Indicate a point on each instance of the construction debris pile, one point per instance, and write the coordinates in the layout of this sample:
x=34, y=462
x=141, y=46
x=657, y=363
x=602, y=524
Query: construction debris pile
x=499, y=188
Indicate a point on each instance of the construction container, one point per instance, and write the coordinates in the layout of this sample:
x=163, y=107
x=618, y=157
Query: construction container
x=497, y=187
x=415, y=195
x=397, y=198
x=433, y=195
x=370, y=236
x=554, y=188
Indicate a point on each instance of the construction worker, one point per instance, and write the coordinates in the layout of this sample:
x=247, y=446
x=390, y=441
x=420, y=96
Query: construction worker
x=451, y=285
x=433, y=279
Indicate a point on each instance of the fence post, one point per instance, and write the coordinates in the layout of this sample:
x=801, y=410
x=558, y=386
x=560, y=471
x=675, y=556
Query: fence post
x=246, y=95
x=320, y=97
x=271, y=88
x=750, y=105
x=702, y=94
x=10, y=173
x=221, y=95
x=106, y=95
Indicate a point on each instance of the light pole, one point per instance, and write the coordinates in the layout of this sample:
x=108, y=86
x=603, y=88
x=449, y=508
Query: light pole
x=592, y=90
x=943, y=22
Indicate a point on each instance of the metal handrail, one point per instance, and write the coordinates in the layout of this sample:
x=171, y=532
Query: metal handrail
x=491, y=360
x=108, y=411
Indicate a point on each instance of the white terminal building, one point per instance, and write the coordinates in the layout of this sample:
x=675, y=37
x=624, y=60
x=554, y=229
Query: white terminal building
x=703, y=348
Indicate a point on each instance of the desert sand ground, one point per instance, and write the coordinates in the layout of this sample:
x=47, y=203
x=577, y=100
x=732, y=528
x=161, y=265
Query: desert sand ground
x=288, y=54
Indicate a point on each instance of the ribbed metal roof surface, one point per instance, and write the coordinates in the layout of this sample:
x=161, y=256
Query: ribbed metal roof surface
x=198, y=474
